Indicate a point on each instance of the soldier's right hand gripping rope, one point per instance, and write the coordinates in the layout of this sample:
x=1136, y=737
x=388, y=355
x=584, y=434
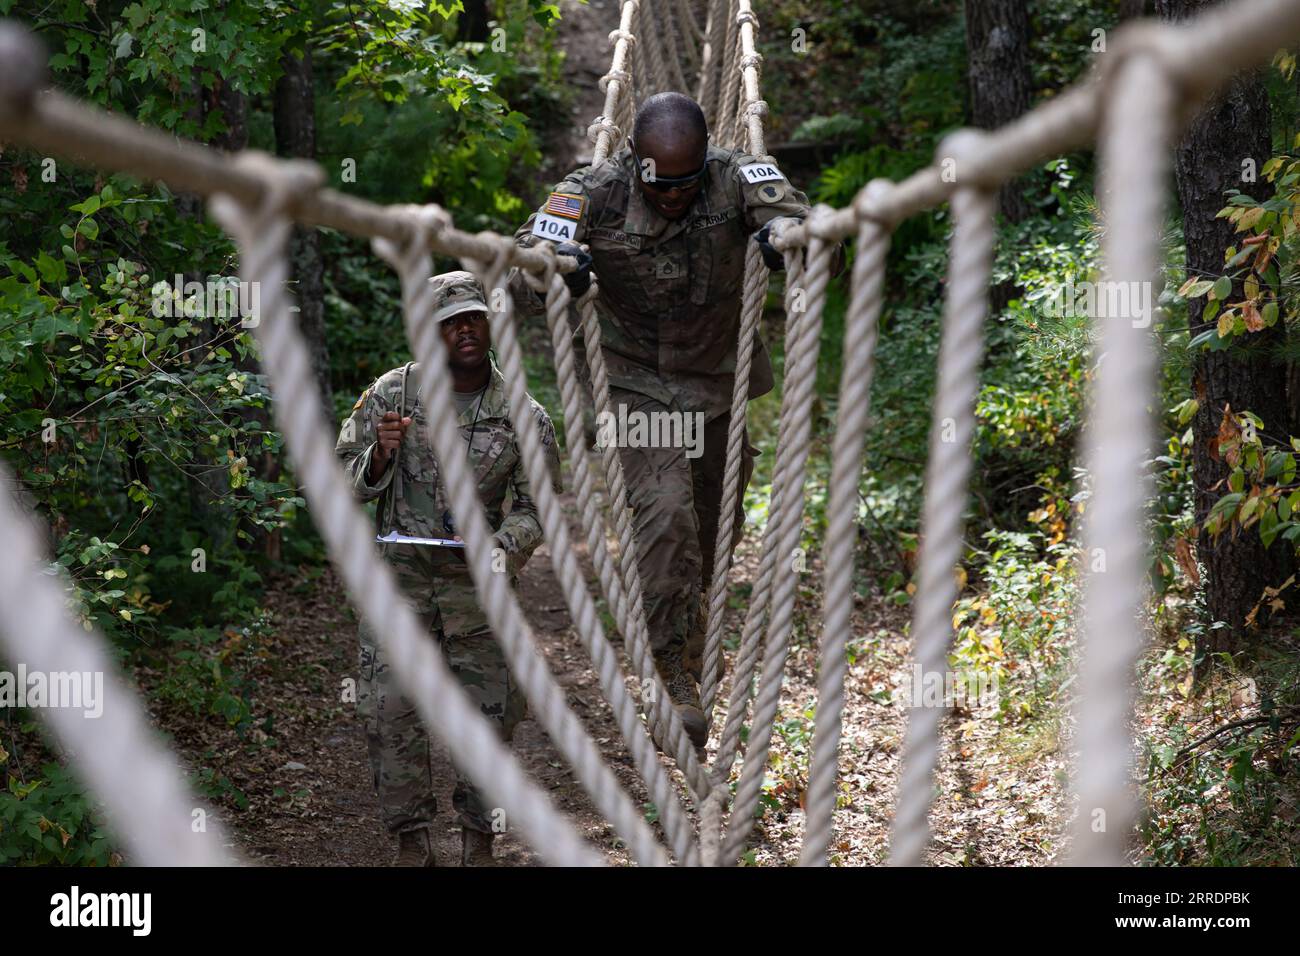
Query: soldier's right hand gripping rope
x=579, y=280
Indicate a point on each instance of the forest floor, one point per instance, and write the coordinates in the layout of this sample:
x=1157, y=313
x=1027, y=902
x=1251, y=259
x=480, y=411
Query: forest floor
x=302, y=795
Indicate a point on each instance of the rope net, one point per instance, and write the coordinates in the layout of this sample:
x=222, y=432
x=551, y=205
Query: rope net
x=1132, y=105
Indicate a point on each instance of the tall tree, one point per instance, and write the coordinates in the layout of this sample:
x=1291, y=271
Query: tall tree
x=997, y=50
x=1222, y=147
x=295, y=135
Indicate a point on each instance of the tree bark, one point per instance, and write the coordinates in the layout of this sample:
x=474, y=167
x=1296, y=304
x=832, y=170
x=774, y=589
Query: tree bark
x=472, y=24
x=1132, y=9
x=295, y=135
x=997, y=47
x=1253, y=377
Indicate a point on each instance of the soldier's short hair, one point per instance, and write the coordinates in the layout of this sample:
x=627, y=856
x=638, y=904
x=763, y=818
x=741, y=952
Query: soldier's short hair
x=456, y=292
x=670, y=115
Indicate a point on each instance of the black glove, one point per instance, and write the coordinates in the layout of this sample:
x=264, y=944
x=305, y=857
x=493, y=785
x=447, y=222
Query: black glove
x=579, y=280
x=771, y=258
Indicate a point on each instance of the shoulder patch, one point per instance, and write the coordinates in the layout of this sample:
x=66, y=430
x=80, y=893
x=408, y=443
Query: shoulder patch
x=771, y=192
x=565, y=205
x=361, y=400
x=760, y=172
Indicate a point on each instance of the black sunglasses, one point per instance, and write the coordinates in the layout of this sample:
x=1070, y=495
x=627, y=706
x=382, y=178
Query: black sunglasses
x=663, y=184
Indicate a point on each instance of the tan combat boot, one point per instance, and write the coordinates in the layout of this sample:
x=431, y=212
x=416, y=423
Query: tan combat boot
x=684, y=694
x=476, y=848
x=415, y=848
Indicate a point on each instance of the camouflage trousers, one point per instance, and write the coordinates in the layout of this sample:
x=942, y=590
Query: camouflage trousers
x=396, y=740
x=676, y=502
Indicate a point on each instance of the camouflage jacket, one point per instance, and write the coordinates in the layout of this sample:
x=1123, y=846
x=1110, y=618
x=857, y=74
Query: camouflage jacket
x=420, y=505
x=671, y=291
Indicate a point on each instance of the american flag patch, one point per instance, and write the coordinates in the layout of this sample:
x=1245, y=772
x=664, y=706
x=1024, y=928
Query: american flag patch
x=562, y=204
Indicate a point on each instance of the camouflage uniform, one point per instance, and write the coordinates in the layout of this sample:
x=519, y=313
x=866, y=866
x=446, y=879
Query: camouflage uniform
x=669, y=306
x=436, y=581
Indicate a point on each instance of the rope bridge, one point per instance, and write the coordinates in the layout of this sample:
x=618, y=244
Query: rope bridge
x=1132, y=106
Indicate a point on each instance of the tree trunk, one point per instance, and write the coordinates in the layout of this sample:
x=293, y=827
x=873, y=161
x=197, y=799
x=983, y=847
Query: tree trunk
x=1250, y=378
x=295, y=135
x=997, y=47
x=472, y=24
x=1132, y=9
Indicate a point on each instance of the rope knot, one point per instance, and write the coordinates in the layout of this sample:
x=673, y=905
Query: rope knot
x=958, y=159
x=747, y=16
x=756, y=108
x=502, y=251
x=622, y=76
x=751, y=60
x=620, y=34
x=284, y=183
x=1157, y=42
x=870, y=202
x=819, y=223
x=602, y=125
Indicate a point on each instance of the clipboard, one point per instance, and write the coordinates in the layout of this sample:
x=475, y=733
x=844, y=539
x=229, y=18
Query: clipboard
x=394, y=537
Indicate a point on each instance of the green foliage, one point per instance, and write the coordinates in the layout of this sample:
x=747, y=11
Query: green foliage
x=1017, y=634
x=50, y=820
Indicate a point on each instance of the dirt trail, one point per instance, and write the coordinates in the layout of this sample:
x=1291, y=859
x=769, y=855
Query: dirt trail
x=310, y=800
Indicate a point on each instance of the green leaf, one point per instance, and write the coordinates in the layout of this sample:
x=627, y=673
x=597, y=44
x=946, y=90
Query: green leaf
x=53, y=271
x=1222, y=288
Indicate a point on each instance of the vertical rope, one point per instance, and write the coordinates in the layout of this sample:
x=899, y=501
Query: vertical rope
x=729, y=97
x=754, y=107
x=605, y=130
x=755, y=291
x=861, y=331
x=1135, y=138
x=710, y=86
x=951, y=430
x=806, y=294
x=512, y=631
x=261, y=233
x=665, y=721
x=582, y=608
x=748, y=654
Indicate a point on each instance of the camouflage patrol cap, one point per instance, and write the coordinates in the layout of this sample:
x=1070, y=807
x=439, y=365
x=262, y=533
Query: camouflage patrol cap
x=456, y=292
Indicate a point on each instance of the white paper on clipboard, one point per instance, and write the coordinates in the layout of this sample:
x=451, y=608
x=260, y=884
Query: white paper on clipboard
x=394, y=537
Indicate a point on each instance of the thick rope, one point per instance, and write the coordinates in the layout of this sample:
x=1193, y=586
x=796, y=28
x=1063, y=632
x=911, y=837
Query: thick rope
x=670, y=48
x=1194, y=58
x=752, y=632
x=729, y=97
x=582, y=608
x=710, y=85
x=261, y=233
x=755, y=292
x=512, y=631
x=688, y=39
x=753, y=107
x=861, y=331
x=665, y=721
x=649, y=46
x=1135, y=141
x=150, y=808
x=951, y=430
x=606, y=129
x=806, y=298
